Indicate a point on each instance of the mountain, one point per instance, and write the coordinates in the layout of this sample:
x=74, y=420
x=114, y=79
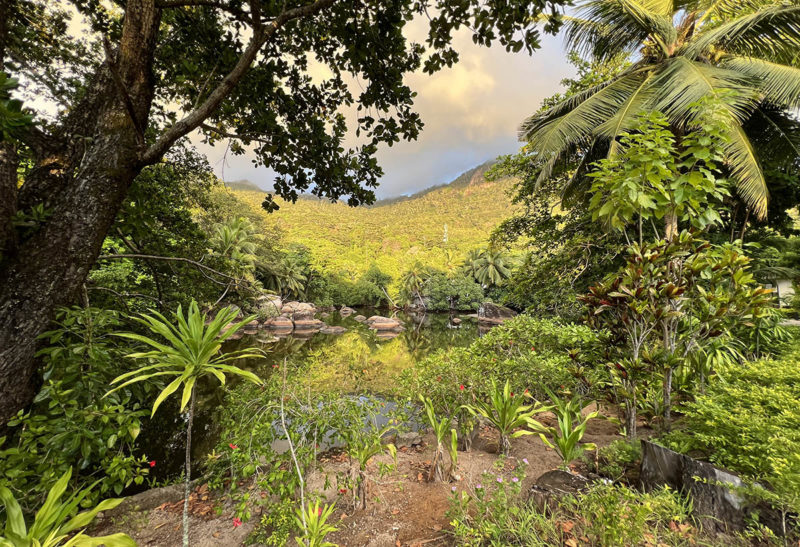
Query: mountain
x=436, y=226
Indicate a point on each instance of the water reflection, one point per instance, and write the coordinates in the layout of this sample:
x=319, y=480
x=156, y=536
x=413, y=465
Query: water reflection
x=357, y=360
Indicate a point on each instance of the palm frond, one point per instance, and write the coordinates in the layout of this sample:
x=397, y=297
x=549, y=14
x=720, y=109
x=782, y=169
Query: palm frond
x=607, y=28
x=682, y=82
x=779, y=83
x=775, y=135
x=773, y=32
x=746, y=171
x=582, y=121
x=624, y=119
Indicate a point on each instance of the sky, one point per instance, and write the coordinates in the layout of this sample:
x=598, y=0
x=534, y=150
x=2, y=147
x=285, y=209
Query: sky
x=471, y=114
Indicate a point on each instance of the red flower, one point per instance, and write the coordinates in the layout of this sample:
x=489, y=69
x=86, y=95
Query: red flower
x=512, y=393
x=533, y=348
x=526, y=391
x=152, y=463
x=343, y=490
x=233, y=446
x=461, y=387
x=237, y=522
x=319, y=511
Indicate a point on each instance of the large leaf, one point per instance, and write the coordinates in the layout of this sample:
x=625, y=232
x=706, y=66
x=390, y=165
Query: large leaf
x=779, y=84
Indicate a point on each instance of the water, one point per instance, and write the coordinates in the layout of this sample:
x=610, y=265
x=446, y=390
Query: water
x=356, y=361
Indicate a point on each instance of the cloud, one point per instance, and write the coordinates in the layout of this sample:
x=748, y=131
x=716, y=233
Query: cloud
x=471, y=113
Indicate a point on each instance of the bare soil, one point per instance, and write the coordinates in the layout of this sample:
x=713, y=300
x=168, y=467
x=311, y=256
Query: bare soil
x=403, y=509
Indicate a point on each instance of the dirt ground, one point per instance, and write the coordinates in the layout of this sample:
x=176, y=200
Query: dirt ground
x=402, y=510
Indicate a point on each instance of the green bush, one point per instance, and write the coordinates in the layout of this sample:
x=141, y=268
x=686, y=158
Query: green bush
x=614, y=460
x=443, y=293
x=749, y=422
x=71, y=424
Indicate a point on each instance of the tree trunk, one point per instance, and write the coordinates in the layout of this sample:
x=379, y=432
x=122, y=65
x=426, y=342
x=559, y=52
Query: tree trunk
x=81, y=183
x=668, y=398
x=630, y=415
x=188, y=483
x=670, y=226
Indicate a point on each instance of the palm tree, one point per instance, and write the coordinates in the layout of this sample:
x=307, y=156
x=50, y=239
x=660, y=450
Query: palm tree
x=235, y=240
x=472, y=263
x=413, y=281
x=739, y=51
x=191, y=351
x=492, y=268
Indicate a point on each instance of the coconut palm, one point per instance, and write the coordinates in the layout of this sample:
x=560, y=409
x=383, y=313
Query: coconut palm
x=412, y=282
x=235, y=240
x=492, y=268
x=740, y=51
x=190, y=350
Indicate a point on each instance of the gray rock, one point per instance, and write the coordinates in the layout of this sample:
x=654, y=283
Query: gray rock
x=494, y=314
x=345, y=311
x=456, y=320
x=409, y=439
x=279, y=323
x=554, y=485
x=308, y=324
x=360, y=318
x=380, y=323
x=251, y=327
x=719, y=507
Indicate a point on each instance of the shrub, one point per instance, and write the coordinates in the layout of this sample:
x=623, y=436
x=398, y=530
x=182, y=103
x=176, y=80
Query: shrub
x=71, y=425
x=614, y=460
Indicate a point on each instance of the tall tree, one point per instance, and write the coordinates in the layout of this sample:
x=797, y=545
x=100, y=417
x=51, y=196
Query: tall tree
x=743, y=53
x=146, y=73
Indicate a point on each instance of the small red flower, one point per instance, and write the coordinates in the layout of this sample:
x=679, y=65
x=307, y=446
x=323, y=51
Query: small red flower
x=512, y=393
x=237, y=522
x=461, y=387
x=533, y=348
x=233, y=446
x=319, y=511
x=152, y=463
x=526, y=391
x=343, y=490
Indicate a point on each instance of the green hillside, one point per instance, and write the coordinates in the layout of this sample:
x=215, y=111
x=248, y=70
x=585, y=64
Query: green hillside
x=394, y=233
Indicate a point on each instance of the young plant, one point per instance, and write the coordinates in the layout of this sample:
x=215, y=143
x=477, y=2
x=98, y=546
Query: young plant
x=192, y=351
x=313, y=521
x=362, y=445
x=440, y=429
x=56, y=523
x=506, y=413
x=565, y=438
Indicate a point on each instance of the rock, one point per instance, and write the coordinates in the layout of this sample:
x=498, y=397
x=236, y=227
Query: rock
x=324, y=315
x=344, y=311
x=299, y=310
x=554, y=485
x=333, y=329
x=279, y=323
x=380, y=323
x=494, y=314
x=456, y=320
x=308, y=324
x=409, y=439
x=360, y=318
x=268, y=305
x=251, y=327
x=718, y=507
x=149, y=499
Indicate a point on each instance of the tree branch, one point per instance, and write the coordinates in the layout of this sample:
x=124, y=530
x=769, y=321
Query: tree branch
x=172, y=259
x=229, y=135
x=169, y=4
x=192, y=121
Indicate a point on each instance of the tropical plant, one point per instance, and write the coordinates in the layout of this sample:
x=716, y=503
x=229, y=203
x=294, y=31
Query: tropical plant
x=412, y=282
x=235, y=240
x=570, y=427
x=192, y=351
x=490, y=268
x=506, y=413
x=57, y=523
x=680, y=52
x=440, y=430
x=313, y=521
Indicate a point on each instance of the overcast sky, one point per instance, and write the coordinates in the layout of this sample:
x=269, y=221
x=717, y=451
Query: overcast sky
x=471, y=114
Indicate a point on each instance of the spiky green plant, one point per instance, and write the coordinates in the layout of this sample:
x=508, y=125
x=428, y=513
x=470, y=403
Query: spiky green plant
x=440, y=429
x=57, y=523
x=507, y=413
x=313, y=523
x=191, y=350
x=742, y=52
x=570, y=427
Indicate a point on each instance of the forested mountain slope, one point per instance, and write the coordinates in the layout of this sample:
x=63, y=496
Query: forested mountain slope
x=436, y=227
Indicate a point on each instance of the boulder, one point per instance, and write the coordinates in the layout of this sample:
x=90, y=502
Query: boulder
x=494, y=314
x=380, y=323
x=279, y=323
x=554, y=485
x=298, y=310
x=344, y=311
x=324, y=315
x=360, y=318
x=719, y=507
x=308, y=324
x=268, y=305
x=251, y=327
x=333, y=329
x=409, y=439
x=456, y=321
